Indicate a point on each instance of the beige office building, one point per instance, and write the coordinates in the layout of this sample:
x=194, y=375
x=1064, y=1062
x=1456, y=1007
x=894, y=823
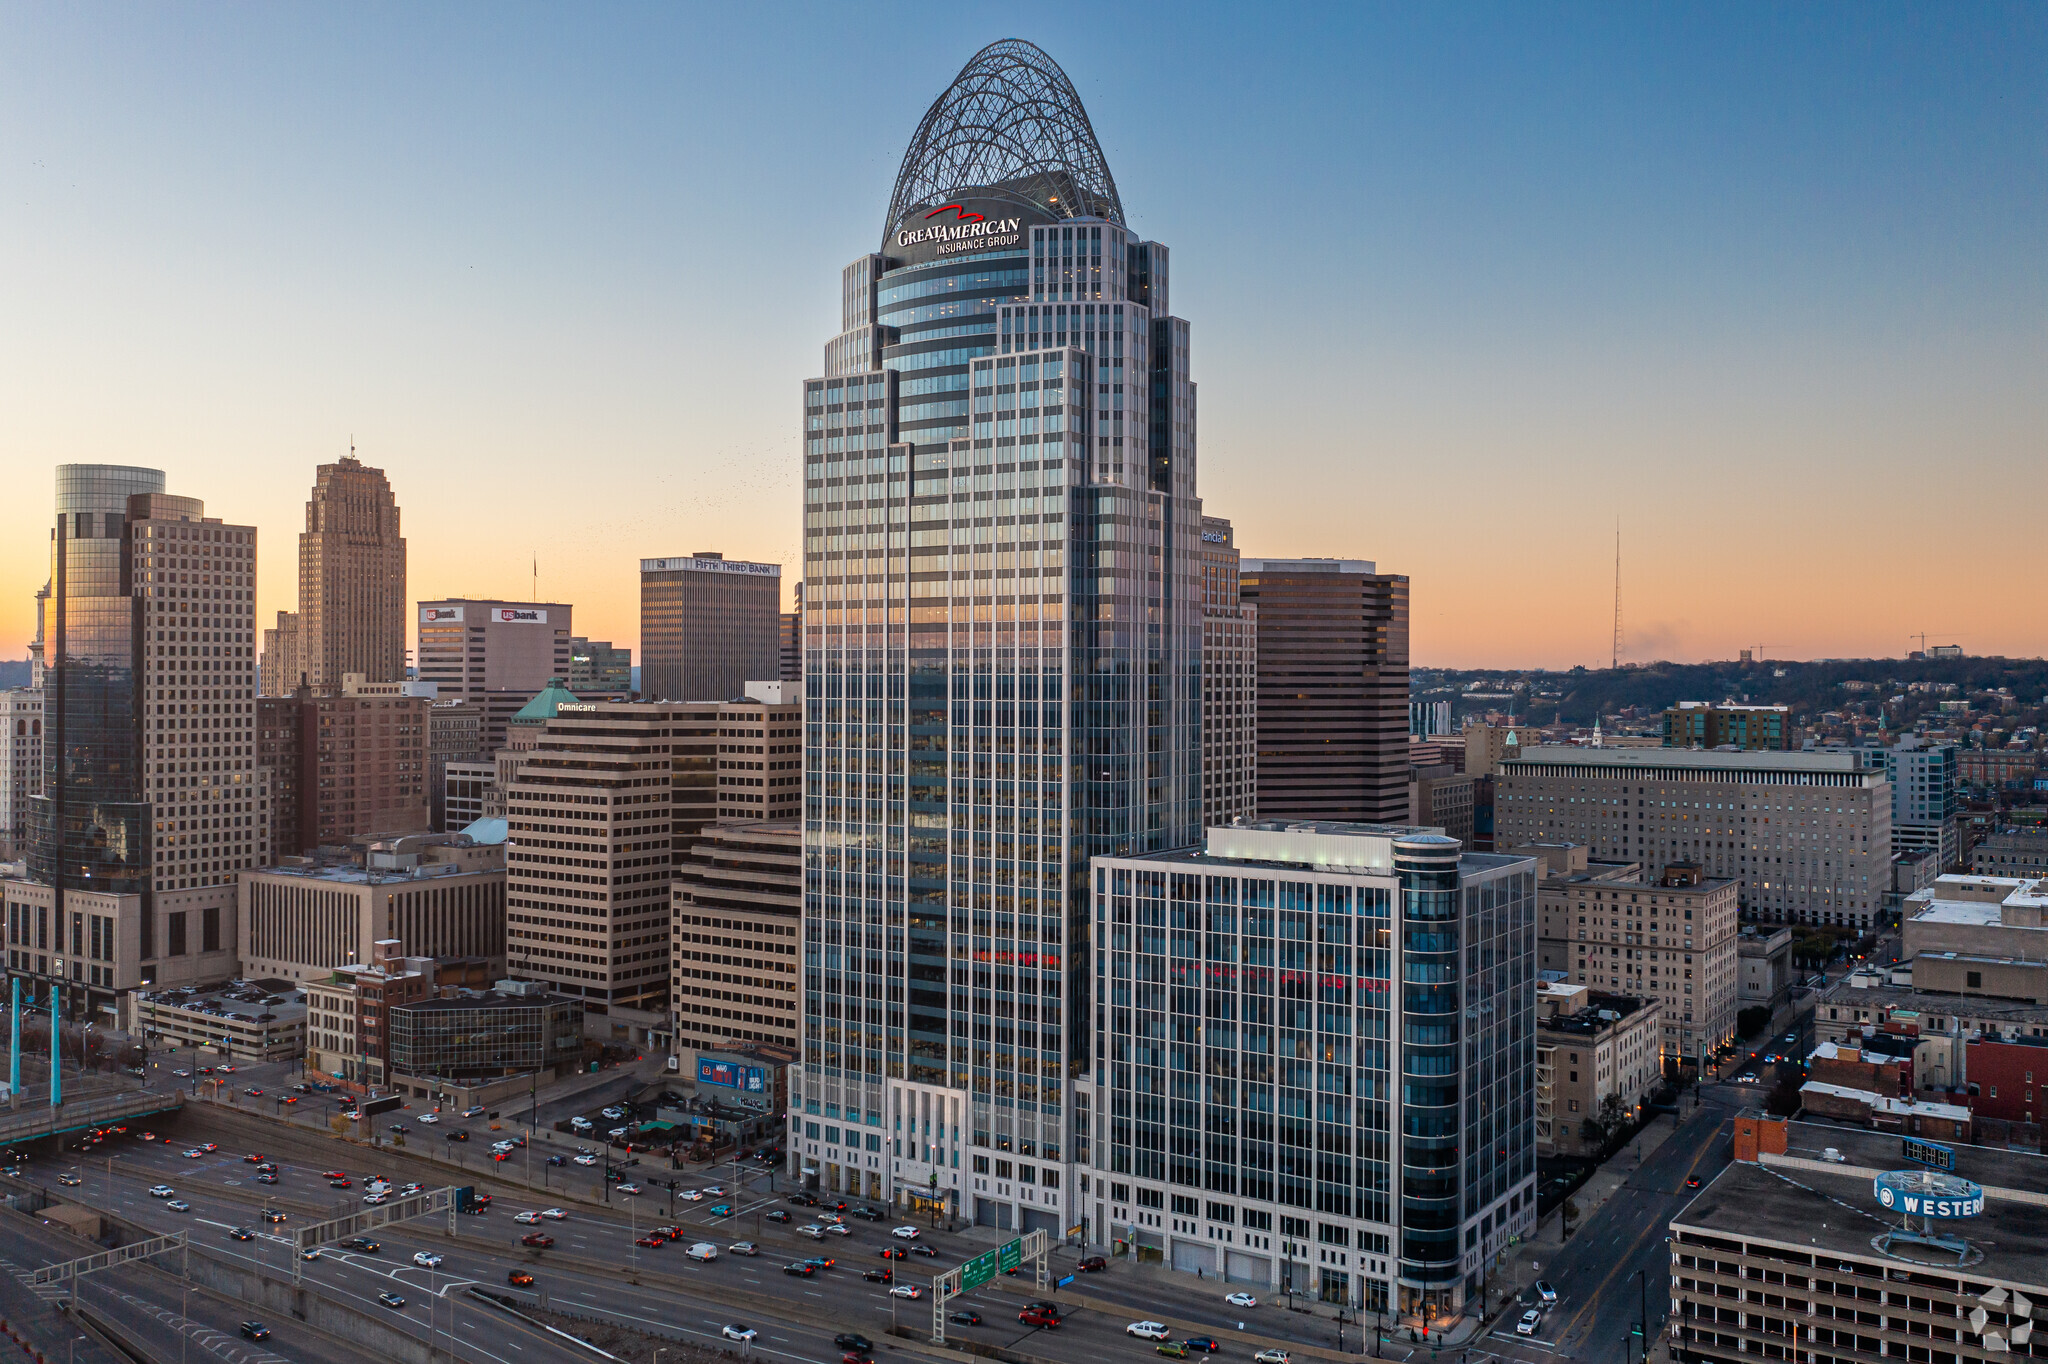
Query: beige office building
x=1598, y=1060
x=1806, y=837
x=282, y=666
x=351, y=579
x=497, y=654
x=1230, y=682
x=737, y=897
x=299, y=923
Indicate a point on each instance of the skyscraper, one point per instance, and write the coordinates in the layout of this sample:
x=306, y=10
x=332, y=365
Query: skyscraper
x=708, y=626
x=1333, y=689
x=351, y=578
x=281, y=666
x=1230, y=683
x=1002, y=646
x=151, y=796
x=499, y=654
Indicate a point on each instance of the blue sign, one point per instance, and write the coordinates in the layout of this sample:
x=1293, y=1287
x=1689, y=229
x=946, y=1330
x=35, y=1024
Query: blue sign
x=1923, y=1193
x=1929, y=1153
x=726, y=1075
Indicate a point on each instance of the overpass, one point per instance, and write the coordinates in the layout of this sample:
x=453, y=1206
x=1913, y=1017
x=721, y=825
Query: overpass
x=30, y=1122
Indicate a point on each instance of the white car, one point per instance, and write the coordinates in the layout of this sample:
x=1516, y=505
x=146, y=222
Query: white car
x=739, y=1333
x=1242, y=1300
x=628, y=1188
x=426, y=1259
x=906, y=1290
x=618, y=1132
x=1147, y=1330
x=715, y=1190
x=691, y=1195
x=312, y=1253
x=615, y=1113
x=581, y=1124
x=1272, y=1356
x=178, y=1205
x=503, y=1146
x=703, y=1250
x=195, y=1154
x=904, y=1233
x=529, y=1218
x=586, y=1160
x=814, y=1231
x=162, y=1191
x=474, y=1112
x=376, y=1199
x=411, y=1189
x=553, y=1214
x=840, y=1229
x=1531, y=1319
x=429, y=1118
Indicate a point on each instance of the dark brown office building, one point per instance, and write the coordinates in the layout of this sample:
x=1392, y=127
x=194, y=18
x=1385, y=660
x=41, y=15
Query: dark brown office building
x=708, y=626
x=1332, y=689
x=277, y=753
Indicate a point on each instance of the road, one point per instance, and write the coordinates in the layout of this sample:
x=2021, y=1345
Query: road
x=595, y=1268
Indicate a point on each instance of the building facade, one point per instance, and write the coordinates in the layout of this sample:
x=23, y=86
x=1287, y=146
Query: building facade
x=1333, y=689
x=1806, y=836
x=455, y=733
x=792, y=637
x=302, y=923
x=1705, y=724
x=1925, y=801
x=351, y=580
x=1440, y=797
x=282, y=667
x=597, y=668
x=1230, y=683
x=1335, y=967
x=1764, y=966
x=737, y=905
x=496, y=654
x=362, y=767
x=1429, y=719
x=1002, y=648
x=21, y=765
x=708, y=626
x=1598, y=1059
x=278, y=764
x=2011, y=852
x=515, y=1028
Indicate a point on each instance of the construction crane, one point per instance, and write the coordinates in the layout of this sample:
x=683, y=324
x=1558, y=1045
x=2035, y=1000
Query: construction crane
x=1755, y=652
x=1922, y=637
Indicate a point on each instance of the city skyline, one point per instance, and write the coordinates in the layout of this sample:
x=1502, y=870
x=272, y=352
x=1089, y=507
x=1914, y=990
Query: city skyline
x=1755, y=288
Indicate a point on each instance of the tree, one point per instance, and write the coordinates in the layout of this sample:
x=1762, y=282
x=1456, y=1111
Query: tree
x=1753, y=1020
x=1784, y=1099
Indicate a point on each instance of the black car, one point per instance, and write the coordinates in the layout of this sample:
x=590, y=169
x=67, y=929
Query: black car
x=849, y=1340
x=965, y=1318
x=255, y=1330
x=878, y=1275
x=804, y=1200
x=458, y=1135
x=241, y=1233
x=777, y=1215
x=391, y=1300
x=800, y=1270
x=558, y=1160
x=922, y=1249
x=1205, y=1343
x=867, y=1214
x=362, y=1243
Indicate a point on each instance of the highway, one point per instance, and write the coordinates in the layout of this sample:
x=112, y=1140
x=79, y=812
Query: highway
x=595, y=1268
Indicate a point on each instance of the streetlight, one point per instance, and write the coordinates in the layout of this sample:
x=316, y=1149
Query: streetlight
x=1642, y=1279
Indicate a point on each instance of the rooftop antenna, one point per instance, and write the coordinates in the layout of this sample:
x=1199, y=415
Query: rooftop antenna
x=1615, y=662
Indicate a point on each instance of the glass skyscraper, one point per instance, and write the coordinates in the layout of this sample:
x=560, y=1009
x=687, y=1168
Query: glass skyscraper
x=1001, y=641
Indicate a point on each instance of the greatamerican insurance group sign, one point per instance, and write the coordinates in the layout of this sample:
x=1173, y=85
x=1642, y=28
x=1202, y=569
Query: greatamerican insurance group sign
x=962, y=227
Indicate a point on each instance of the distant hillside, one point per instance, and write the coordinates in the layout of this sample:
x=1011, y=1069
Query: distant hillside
x=1580, y=695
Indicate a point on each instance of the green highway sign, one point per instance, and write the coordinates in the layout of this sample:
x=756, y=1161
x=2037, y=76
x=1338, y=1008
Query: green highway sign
x=1012, y=1255
x=985, y=1266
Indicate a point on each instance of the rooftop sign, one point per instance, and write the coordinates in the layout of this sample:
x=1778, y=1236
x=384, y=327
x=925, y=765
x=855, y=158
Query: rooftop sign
x=739, y=566
x=1923, y=1193
x=1928, y=1153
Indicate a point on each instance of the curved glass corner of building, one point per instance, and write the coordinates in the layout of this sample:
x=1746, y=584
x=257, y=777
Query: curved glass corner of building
x=942, y=315
x=1431, y=996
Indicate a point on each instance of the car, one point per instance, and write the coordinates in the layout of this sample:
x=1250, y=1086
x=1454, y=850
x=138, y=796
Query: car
x=836, y=1205
x=1692, y=1181
x=836, y=1228
x=266, y=1178
x=830, y=1217
x=195, y=1154
x=528, y=1217
x=162, y=1191
x=426, y=1259
x=362, y=1243
x=503, y=1146
x=1272, y=1356
x=739, y=1333
x=553, y=1214
x=820, y=1261
x=458, y=1135
x=149, y=1136
x=802, y=1271
x=182, y=1074
x=721, y=1210
x=742, y=1248
x=411, y=1189
x=924, y=1250
x=178, y=1205
x=1205, y=1344
x=618, y=1132
x=206, y=1070
x=310, y=1253
x=906, y=1290
x=1545, y=1294
x=558, y=1160
x=1241, y=1300
x=1092, y=1264
x=893, y=1252
x=252, y=1159
x=391, y=1300
x=804, y=1200
x=965, y=1318
x=334, y=1174
x=904, y=1233
x=690, y=1195
x=272, y=1215
x=69, y=1180
x=635, y=1188
x=586, y=1160
x=1147, y=1330
x=1039, y=1317
x=867, y=1214
x=777, y=1215
x=853, y=1340
x=473, y=1111
x=255, y=1330
x=581, y=1124
x=812, y=1230
x=241, y=1233
x=1530, y=1320
x=1172, y=1349
x=340, y=1184
x=254, y=1092
x=1791, y=1039
x=672, y=1233
x=614, y=1113
x=539, y=1240
x=879, y=1275
x=519, y=1278
x=376, y=1200
x=209, y=1147
x=266, y=1168
x=650, y=1241
x=430, y=1119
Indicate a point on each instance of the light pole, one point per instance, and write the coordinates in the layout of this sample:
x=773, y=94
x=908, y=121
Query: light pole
x=1643, y=1310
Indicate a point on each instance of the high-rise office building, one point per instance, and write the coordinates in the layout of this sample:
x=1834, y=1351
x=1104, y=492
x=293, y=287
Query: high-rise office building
x=1925, y=805
x=1333, y=689
x=455, y=733
x=708, y=626
x=499, y=654
x=351, y=578
x=151, y=800
x=277, y=762
x=1230, y=682
x=1806, y=836
x=597, y=668
x=21, y=765
x=281, y=668
x=1002, y=644
x=362, y=766
x=1364, y=1132
x=1429, y=719
x=737, y=899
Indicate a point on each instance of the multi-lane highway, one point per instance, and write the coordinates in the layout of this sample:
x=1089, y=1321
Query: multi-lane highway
x=595, y=1268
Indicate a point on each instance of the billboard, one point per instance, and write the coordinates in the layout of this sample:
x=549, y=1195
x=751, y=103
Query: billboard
x=731, y=1075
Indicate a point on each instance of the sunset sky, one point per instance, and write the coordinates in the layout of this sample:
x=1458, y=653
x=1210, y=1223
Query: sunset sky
x=1467, y=283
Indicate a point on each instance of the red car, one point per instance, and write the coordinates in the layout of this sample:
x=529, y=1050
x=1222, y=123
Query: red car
x=650, y=1241
x=1092, y=1264
x=252, y=1159
x=1037, y=1316
x=539, y=1240
x=334, y=1174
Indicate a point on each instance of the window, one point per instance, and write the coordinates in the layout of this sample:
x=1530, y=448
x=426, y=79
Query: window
x=1974, y=979
x=1150, y=1198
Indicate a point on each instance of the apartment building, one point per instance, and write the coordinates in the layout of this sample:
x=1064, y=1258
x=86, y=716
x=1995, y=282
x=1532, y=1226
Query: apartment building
x=1704, y=724
x=362, y=766
x=2011, y=852
x=737, y=903
x=1598, y=1060
x=1806, y=836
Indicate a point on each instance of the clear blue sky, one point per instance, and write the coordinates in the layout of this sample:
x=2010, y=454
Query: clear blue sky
x=1467, y=282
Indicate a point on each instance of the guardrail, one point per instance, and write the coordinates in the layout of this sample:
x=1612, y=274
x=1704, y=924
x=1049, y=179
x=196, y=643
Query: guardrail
x=28, y=1124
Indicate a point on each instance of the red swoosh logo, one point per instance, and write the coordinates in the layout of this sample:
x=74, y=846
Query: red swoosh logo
x=960, y=213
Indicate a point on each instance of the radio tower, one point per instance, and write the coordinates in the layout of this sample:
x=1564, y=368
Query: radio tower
x=1615, y=662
